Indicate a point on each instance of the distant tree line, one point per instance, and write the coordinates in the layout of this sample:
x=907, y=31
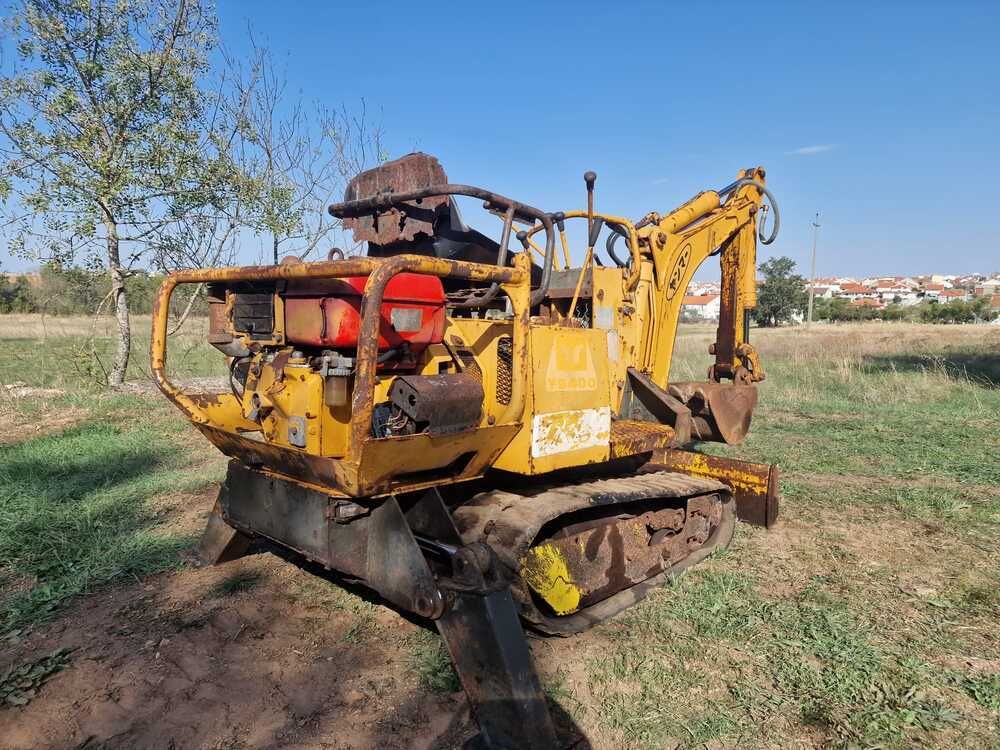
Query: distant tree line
x=838, y=309
x=57, y=290
x=782, y=297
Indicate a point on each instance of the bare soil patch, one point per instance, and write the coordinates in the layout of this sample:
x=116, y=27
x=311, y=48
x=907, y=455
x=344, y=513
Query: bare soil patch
x=169, y=663
x=236, y=656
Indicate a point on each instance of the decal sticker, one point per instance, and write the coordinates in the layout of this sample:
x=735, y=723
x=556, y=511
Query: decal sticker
x=564, y=431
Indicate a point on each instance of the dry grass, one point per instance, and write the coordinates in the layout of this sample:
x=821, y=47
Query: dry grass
x=876, y=363
x=42, y=327
x=867, y=618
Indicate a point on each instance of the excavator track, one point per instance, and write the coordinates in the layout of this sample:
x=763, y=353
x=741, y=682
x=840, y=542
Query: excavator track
x=583, y=552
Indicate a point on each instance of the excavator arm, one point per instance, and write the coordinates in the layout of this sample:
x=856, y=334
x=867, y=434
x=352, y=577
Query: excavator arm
x=714, y=223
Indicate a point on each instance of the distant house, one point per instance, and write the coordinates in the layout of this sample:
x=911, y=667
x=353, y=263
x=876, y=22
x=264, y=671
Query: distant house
x=945, y=281
x=822, y=292
x=828, y=282
x=867, y=302
x=856, y=291
x=953, y=295
x=894, y=290
x=932, y=291
x=704, y=306
x=988, y=288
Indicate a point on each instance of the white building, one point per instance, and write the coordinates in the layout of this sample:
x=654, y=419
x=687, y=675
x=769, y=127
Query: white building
x=704, y=306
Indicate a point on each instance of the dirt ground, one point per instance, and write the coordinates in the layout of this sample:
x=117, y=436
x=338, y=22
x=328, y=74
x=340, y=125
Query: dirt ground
x=172, y=663
x=244, y=655
x=241, y=655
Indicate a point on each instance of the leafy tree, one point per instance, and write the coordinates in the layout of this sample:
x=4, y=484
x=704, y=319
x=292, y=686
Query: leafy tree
x=782, y=294
x=15, y=295
x=99, y=118
x=957, y=312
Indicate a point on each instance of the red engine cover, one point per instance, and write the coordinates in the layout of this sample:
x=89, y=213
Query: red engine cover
x=328, y=313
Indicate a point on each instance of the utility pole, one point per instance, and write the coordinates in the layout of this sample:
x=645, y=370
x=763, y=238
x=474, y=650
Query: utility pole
x=812, y=274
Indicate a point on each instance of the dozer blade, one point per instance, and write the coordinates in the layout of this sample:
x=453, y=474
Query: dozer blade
x=754, y=486
x=584, y=552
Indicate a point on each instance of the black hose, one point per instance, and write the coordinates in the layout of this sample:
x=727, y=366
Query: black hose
x=391, y=353
x=232, y=378
x=774, y=206
x=616, y=232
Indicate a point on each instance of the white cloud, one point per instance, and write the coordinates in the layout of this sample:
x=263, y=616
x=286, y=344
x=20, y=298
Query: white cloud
x=810, y=150
x=660, y=181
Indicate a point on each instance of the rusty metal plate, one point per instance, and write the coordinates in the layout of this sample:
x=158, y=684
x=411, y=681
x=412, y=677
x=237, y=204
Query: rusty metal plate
x=754, y=485
x=444, y=403
x=631, y=437
x=404, y=222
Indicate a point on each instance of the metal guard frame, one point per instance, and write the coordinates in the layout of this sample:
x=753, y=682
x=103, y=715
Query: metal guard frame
x=515, y=282
x=384, y=201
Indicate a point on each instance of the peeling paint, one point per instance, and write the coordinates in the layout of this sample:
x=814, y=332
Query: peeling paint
x=571, y=368
x=545, y=570
x=564, y=431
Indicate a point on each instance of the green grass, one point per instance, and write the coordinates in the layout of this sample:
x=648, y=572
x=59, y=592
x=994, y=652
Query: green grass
x=76, y=510
x=868, y=618
x=842, y=641
x=238, y=583
x=428, y=659
x=807, y=659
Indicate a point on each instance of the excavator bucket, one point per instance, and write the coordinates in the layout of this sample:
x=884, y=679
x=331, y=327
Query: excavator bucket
x=720, y=412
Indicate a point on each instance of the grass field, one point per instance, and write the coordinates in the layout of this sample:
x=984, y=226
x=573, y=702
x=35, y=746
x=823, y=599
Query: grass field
x=867, y=618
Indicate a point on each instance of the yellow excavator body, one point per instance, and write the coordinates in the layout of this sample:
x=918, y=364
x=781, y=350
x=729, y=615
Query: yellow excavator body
x=444, y=419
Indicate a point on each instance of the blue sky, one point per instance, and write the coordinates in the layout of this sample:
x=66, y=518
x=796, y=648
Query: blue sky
x=883, y=116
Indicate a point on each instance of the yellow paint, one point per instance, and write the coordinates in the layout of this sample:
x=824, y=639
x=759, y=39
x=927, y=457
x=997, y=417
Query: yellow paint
x=739, y=480
x=558, y=368
x=544, y=569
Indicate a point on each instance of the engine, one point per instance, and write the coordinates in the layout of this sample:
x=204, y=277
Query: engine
x=306, y=332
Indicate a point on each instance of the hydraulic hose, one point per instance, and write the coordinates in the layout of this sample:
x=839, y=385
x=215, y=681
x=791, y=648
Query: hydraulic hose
x=728, y=189
x=616, y=232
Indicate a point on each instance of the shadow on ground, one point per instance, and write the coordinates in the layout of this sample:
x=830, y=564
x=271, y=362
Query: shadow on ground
x=174, y=663
x=981, y=369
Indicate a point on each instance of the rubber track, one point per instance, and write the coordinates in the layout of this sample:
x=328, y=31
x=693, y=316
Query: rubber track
x=510, y=522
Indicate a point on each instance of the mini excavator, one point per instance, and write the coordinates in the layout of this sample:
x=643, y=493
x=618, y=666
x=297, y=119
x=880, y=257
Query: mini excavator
x=478, y=430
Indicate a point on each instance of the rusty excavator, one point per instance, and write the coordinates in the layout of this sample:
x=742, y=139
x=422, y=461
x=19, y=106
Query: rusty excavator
x=486, y=438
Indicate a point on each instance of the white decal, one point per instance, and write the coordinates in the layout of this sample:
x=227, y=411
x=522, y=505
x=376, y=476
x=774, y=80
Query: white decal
x=564, y=431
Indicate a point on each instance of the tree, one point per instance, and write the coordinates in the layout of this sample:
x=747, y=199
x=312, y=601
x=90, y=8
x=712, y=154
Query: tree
x=98, y=118
x=296, y=159
x=279, y=163
x=782, y=294
x=15, y=295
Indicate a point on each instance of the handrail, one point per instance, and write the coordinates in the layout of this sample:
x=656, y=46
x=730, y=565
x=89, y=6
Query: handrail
x=383, y=201
x=378, y=270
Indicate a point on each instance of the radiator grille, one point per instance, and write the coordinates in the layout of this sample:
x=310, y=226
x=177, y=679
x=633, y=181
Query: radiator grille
x=505, y=366
x=253, y=313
